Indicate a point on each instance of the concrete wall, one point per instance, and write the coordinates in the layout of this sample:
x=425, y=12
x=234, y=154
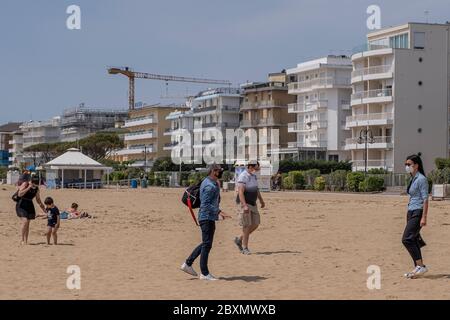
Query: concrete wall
x=433, y=71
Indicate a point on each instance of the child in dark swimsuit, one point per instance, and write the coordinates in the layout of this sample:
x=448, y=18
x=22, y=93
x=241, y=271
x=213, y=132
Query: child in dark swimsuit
x=53, y=220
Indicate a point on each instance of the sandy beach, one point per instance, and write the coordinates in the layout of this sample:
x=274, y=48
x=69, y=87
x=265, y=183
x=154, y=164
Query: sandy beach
x=309, y=246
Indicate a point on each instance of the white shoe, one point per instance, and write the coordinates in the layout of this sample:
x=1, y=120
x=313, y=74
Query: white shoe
x=189, y=270
x=417, y=272
x=246, y=251
x=420, y=272
x=208, y=277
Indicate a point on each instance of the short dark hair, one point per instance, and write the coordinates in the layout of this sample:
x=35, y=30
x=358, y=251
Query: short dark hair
x=213, y=167
x=48, y=201
x=252, y=164
x=74, y=205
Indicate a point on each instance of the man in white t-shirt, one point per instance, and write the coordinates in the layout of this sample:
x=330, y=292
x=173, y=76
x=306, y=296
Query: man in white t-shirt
x=248, y=193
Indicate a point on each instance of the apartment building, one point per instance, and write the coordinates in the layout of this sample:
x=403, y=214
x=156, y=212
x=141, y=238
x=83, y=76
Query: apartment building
x=16, y=152
x=265, y=107
x=322, y=89
x=145, y=140
x=80, y=122
x=6, y=143
x=180, y=119
x=215, y=108
x=400, y=97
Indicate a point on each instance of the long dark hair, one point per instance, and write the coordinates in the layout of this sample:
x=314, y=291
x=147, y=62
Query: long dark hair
x=417, y=160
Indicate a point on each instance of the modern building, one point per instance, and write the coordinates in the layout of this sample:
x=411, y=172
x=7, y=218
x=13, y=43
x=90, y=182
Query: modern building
x=400, y=97
x=322, y=89
x=145, y=140
x=37, y=132
x=6, y=143
x=16, y=152
x=80, y=122
x=265, y=108
x=215, y=108
x=180, y=119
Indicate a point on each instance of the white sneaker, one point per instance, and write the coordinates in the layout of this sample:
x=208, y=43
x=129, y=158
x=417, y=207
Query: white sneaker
x=246, y=251
x=189, y=270
x=208, y=277
x=417, y=272
x=420, y=272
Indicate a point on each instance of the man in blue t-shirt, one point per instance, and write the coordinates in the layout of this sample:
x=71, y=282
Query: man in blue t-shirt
x=208, y=214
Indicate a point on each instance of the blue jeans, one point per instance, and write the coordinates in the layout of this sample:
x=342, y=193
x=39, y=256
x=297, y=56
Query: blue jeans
x=208, y=228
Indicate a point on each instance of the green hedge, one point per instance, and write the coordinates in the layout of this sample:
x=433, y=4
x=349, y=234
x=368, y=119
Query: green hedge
x=337, y=180
x=298, y=179
x=371, y=184
x=353, y=180
x=325, y=167
x=319, y=184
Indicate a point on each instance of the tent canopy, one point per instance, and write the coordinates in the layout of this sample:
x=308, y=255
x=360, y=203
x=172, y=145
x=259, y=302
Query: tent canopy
x=73, y=159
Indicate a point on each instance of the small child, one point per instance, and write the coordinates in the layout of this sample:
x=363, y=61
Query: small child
x=53, y=219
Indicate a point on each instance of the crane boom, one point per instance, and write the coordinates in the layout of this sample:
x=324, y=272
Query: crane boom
x=143, y=75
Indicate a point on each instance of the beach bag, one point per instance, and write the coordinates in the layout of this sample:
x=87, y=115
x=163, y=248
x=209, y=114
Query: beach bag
x=15, y=197
x=191, y=198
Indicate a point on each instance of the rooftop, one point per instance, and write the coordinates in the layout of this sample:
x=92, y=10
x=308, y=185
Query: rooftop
x=10, y=127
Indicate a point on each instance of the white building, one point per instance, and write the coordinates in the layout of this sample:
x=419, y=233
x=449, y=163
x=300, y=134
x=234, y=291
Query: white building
x=181, y=119
x=215, y=108
x=37, y=132
x=401, y=97
x=322, y=87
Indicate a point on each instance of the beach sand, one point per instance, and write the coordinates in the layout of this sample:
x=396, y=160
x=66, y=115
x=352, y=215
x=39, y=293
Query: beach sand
x=309, y=246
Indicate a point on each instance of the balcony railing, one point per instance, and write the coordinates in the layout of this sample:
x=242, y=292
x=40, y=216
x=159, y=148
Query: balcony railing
x=315, y=144
x=318, y=82
x=378, y=139
x=264, y=104
x=370, y=117
x=372, y=94
x=372, y=70
x=140, y=135
x=360, y=164
x=139, y=121
x=249, y=123
x=314, y=125
x=204, y=109
x=307, y=106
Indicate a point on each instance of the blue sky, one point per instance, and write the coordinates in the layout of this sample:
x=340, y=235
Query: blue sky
x=46, y=68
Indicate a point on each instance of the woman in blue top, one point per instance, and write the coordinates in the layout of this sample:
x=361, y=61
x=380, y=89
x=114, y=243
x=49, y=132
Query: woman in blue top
x=417, y=214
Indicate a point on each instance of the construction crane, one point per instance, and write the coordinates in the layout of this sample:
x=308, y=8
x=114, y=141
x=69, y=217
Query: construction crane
x=126, y=71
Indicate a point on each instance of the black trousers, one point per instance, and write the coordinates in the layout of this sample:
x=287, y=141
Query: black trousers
x=208, y=228
x=411, y=236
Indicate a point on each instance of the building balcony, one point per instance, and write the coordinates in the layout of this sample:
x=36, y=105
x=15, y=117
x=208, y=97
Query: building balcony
x=169, y=146
x=372, y=73
x=265, y=104
x=140, y=135
x=307, y=106
x=204, y=109
x=311, y=144
x=372, y=96
x=369, y=119
x=134, y=150
x=381, y=142
x=371, y=50
x=249, y=123
x=11, y=159
x=310, y=126
x=317, y=83
x=139, y=122
x=359, y=165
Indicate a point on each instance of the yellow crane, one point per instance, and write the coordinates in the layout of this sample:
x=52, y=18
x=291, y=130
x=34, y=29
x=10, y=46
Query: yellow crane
x=126, y=71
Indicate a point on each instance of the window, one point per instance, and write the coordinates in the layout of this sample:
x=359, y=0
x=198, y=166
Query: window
x=419, y=40
x=399, y=41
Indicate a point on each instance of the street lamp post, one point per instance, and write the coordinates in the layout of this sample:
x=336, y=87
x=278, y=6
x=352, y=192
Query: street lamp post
x=365, y=136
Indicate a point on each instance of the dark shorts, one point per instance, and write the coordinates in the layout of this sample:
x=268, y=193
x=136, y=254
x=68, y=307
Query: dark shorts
x=51, y=223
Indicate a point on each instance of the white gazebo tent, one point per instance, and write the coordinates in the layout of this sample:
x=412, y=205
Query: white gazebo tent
x=74, y=165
